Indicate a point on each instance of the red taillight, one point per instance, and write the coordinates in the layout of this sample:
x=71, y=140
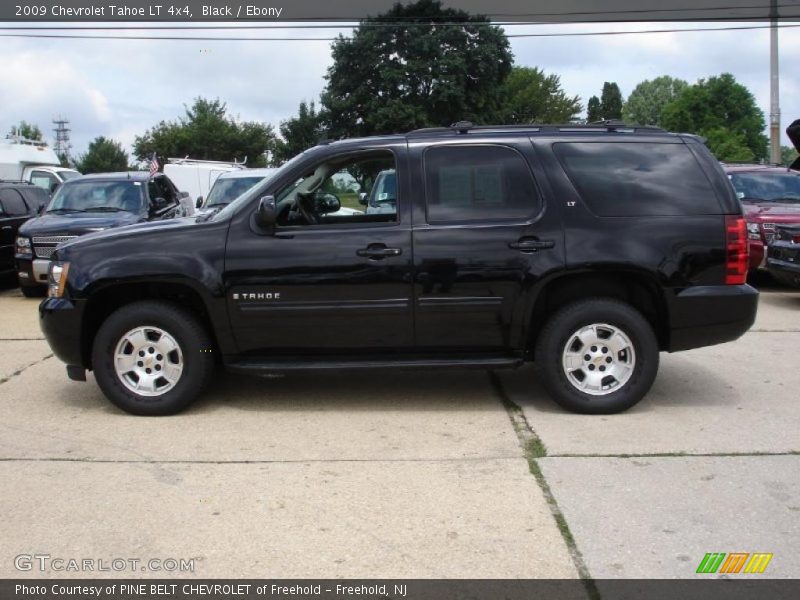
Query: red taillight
x=736, y=250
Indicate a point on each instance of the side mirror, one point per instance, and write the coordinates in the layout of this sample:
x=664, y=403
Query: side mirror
x=325, y=204
x=199, y=202
x=158, y=204
x=267, y=213
x=362, y=198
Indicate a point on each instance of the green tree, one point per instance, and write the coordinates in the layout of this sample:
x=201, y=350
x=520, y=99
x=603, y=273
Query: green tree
x=103, y=156
x=611, y=101
x=530, y=96
x=298, y=133
x=593, y=113
x=648, y=99
x=725, y=113
x=415, y=72
x=207, y=132
x=27, y=130
x=788, y=155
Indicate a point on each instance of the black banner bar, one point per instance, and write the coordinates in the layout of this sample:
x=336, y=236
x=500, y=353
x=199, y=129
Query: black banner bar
x=744, y=588
x=552, y=11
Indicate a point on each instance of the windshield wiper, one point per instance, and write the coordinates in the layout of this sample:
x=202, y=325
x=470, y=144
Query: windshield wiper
x=66, y=210
x=105, y=209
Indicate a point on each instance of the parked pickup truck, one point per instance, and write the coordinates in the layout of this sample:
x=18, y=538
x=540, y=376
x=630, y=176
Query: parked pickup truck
x=585, y=249
x=34, y=162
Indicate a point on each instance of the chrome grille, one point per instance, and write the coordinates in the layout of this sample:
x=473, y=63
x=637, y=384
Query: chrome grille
x=768, y=226
x=53, y=239
x=44, y=246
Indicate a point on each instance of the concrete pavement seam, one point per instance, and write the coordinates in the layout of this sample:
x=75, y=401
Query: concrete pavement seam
x=254, y=462
x=533, y=448
x=676, y=454
x=19, y=371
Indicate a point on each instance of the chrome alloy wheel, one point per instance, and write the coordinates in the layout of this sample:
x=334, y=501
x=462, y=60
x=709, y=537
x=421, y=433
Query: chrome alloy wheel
x=148, y=361
x=598, y=359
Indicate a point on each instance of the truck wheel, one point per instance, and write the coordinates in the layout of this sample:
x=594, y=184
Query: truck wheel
x=33, y=291
x=152, y=358
x=597, y=356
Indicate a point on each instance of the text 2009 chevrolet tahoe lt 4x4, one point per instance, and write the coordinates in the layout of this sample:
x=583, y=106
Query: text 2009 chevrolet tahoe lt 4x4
x=586, y=249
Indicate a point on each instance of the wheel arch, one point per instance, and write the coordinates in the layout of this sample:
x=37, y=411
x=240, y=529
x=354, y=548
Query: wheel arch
x=640, y=290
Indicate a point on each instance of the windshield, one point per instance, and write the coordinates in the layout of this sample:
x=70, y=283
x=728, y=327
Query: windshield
x=227, y=190
x=231, y=208
x=98, y=196
x=767, y=187
x=385, y=190
x=67, y=175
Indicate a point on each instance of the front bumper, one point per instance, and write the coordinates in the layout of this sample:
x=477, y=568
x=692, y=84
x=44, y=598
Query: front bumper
x=783, y=262
x=32, y=271
x=758, y=255
x=61, y=321
x=710, y=314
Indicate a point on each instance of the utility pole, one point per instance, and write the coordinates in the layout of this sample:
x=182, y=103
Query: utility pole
x=774, y=88
x=63, y=145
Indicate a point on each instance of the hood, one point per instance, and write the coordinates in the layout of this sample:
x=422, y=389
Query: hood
x=134, y=229
x=793, y=132
x=77, y=223
x=771, y=211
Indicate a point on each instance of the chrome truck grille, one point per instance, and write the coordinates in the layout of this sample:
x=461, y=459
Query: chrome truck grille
x=44, y=247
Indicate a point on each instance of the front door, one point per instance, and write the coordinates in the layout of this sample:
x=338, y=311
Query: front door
x=334, y=277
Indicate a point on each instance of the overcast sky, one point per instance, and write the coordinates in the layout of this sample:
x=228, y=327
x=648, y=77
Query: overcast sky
x=120, y=88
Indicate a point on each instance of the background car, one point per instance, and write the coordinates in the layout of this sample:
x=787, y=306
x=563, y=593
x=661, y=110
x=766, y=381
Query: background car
x=87, y=204
x=769, y=195
x=230, y=185
x=19, y=201
x=783, y=255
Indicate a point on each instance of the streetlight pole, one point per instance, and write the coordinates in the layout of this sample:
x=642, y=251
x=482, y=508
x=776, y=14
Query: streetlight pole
x=774, y=88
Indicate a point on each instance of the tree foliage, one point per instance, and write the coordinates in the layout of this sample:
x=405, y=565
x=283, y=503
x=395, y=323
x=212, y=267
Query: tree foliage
x=26, y=130
x=611, y=101
x=530, y=96
x=207, y=132
x=724, y=112
x=593, y=113
x=415, y=72
x=788, y=155
x=648, y=99
x=103, y=156
x=298, y=133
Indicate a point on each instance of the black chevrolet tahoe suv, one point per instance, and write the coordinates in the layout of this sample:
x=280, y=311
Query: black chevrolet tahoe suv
x=585, y=249
x=86, y=204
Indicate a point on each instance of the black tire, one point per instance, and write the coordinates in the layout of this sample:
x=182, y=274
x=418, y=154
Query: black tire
x=33, y=291
x=559, y=330
x=195, y=350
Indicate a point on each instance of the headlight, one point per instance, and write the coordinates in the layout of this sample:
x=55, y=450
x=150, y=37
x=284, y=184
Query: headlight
x=23, y=246
x=57, y=279
x=752, y=227
x=753, y=231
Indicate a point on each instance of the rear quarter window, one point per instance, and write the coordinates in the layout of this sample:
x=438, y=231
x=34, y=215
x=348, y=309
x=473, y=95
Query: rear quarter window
x=638, y=178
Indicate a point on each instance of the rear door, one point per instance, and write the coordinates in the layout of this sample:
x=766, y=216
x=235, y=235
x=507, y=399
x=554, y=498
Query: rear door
x=483, y=237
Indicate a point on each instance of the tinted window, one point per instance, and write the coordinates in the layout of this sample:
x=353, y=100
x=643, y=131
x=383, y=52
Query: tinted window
x=13, y=203
x=636, y=178
x=478, y=183
x=227, y=190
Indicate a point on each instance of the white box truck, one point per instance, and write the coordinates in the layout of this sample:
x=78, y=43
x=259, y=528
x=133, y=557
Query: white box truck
x=29, y=160
x=197, y=176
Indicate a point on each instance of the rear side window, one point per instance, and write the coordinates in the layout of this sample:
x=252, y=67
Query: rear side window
x=13, y=203
x=638, y=178
x=478, y=183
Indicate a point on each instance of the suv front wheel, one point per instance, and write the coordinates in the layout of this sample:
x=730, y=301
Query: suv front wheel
x=597, y=356
x=152, y=358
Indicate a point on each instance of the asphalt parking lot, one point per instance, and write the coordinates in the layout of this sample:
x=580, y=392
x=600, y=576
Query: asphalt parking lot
x=431, y=475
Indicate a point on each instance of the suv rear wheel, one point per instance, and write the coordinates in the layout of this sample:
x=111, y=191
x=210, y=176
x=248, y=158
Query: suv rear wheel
x=152, y=358
x=597, y=356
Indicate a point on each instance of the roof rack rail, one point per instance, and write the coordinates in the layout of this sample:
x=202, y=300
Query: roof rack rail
x=463, y=127
x=199, y=161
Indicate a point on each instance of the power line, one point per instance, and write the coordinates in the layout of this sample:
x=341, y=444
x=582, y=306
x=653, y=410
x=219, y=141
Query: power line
x=329, y=39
